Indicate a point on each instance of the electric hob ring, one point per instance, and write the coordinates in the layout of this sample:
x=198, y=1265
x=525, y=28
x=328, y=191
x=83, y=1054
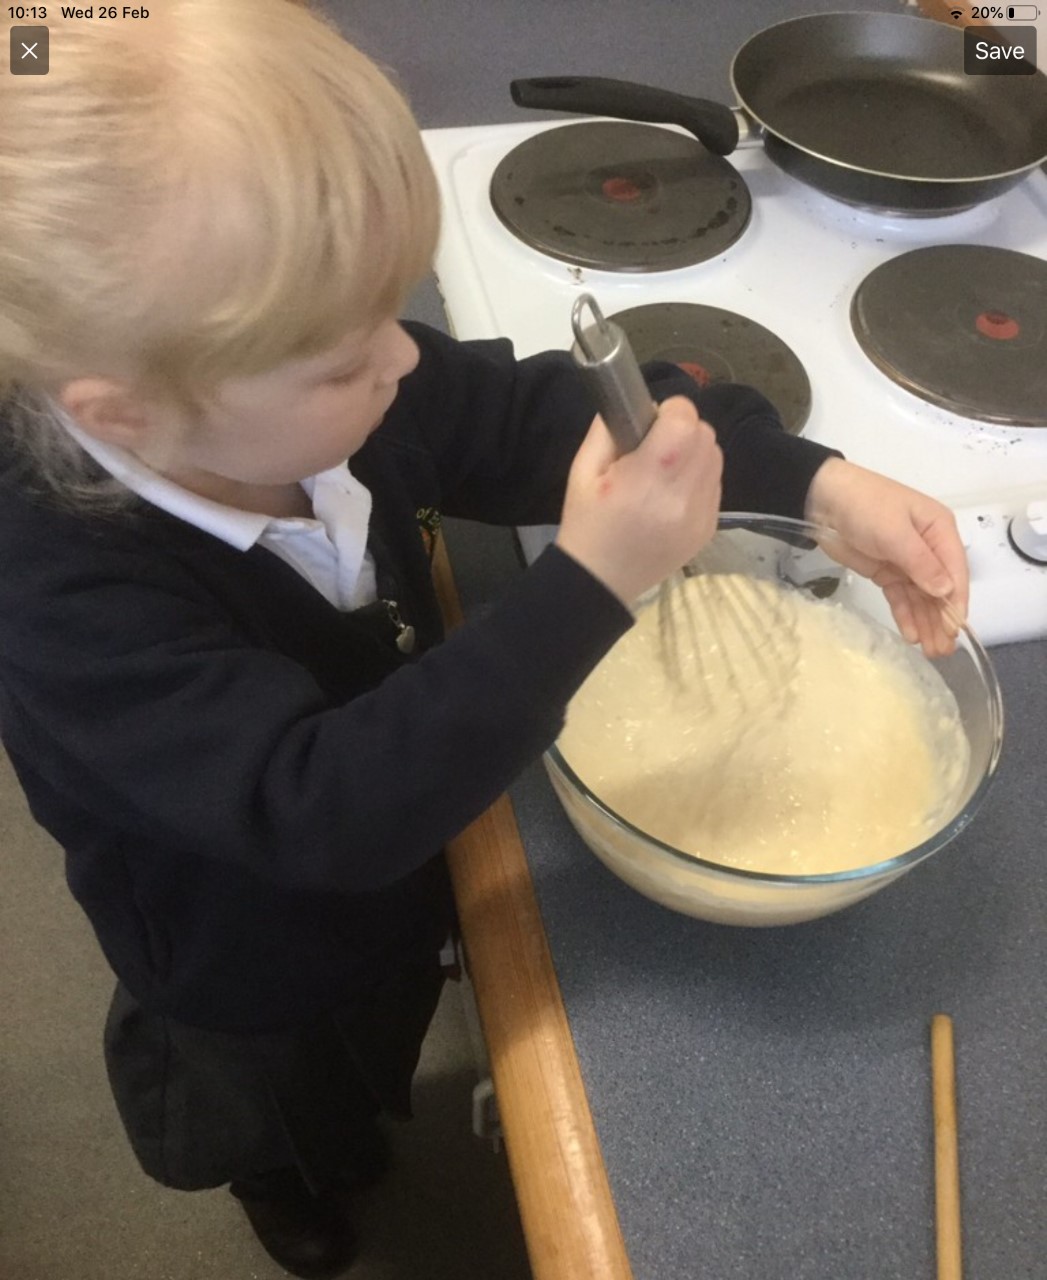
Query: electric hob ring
x=962, y=326
x=618, y=196
x=714, y=345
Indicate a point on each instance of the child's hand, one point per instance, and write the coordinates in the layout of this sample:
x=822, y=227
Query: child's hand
x=904, y=541
x=633, y=519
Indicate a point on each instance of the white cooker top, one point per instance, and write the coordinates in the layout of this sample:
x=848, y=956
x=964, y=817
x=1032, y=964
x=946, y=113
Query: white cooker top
x=793, y=270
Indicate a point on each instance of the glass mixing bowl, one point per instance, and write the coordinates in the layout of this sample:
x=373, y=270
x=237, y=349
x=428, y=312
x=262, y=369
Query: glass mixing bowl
x=799, y=556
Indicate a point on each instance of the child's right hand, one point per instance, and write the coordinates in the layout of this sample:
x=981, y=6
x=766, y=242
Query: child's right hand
x=633, y=519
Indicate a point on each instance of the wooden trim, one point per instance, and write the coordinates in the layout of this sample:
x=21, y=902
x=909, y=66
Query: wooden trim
x=565, y=1202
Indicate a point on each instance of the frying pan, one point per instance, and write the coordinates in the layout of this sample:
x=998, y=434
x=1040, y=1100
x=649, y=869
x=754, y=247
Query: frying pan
x=871, y=108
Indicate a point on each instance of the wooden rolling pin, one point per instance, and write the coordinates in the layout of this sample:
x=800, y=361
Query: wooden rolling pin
x=946, y=1150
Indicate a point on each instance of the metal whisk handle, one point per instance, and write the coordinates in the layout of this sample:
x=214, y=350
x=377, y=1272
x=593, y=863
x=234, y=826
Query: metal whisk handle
x=604, y=354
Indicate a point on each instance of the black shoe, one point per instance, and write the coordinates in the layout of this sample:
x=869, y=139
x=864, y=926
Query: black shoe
x=307, y=1235
x=368, y=1164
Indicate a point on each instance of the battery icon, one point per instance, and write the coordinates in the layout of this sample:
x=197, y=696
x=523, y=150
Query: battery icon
x=1023, y=12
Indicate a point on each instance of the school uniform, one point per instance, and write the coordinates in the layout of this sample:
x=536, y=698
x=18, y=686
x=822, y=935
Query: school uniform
x=253, y=783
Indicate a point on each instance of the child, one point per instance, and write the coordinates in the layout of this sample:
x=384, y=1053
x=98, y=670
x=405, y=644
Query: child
x=209, y=221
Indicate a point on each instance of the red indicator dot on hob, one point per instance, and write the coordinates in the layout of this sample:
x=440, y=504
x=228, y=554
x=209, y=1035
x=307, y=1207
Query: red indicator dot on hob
x=997, y=324
x=621, y=190
x=700, y=374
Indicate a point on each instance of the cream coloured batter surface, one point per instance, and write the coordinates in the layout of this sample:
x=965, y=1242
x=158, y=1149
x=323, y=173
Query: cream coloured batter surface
x=751, y=725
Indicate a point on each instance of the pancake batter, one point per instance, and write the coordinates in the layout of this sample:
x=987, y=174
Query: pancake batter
x=767, y=730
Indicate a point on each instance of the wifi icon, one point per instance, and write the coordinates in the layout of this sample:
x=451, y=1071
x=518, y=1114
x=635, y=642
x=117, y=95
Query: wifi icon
x=957, y=14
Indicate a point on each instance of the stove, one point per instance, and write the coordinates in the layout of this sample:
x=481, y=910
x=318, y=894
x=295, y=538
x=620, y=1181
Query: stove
x=811, y=300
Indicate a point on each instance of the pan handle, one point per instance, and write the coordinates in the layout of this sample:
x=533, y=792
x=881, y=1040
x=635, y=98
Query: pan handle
x=713, y=124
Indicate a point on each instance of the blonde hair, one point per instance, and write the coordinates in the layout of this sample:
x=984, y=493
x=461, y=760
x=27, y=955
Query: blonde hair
x=203, y=194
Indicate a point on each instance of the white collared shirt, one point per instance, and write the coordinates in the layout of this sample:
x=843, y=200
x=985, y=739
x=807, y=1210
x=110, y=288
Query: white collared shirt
x=330, y=551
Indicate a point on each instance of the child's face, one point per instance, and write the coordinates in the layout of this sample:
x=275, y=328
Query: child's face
x=278, y=427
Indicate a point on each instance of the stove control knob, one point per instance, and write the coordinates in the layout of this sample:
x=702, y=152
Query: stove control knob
x=1028, y=531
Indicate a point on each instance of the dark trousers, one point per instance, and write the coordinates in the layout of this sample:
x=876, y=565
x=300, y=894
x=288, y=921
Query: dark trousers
x=202, y=1108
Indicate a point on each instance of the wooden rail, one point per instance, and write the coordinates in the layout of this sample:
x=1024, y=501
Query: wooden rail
x=565, y=1202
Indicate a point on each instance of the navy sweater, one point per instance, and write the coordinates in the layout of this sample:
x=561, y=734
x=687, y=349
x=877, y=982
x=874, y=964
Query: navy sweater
x=252, y=788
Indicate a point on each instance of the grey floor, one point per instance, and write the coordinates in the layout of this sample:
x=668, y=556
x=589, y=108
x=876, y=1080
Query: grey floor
x=74, y=1204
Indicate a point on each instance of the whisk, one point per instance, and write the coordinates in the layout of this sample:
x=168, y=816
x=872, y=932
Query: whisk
x=735, y=622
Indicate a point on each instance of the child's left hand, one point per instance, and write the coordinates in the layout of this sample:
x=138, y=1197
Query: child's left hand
x=906, y=542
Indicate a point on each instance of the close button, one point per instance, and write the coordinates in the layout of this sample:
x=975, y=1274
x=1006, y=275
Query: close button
x=30, y=55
